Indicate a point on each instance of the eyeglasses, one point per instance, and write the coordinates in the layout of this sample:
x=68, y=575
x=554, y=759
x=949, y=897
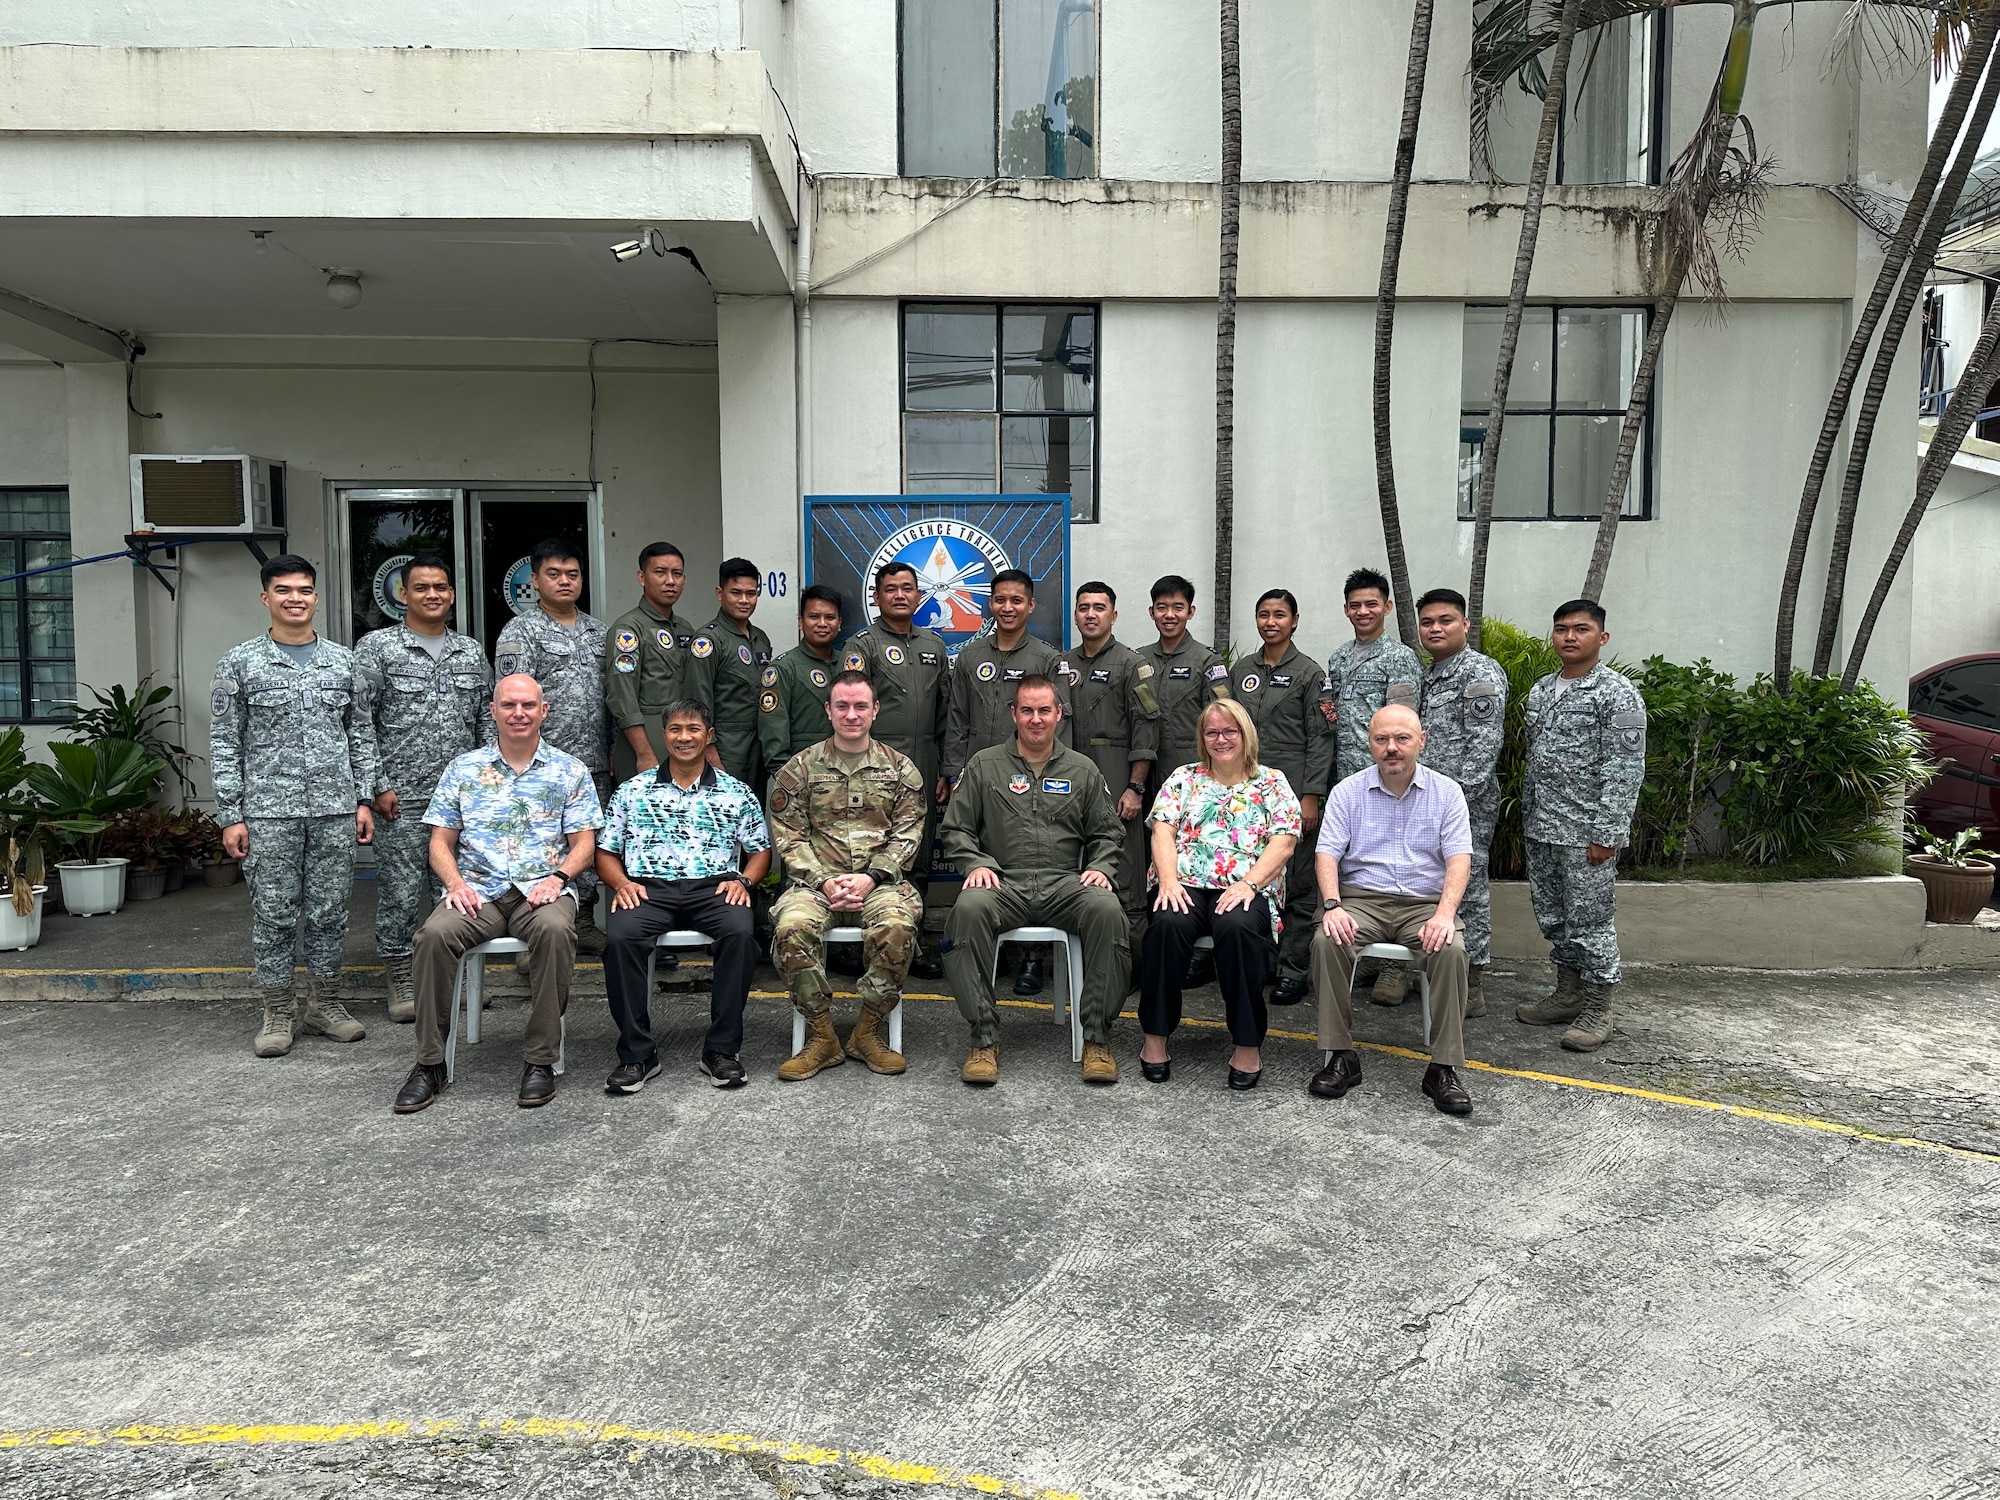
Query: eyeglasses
x=1222, y=734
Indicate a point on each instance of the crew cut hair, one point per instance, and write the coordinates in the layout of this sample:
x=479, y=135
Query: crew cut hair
x=1365, y=578
x=284, y=565
x=1014, y=575
x=820, y=593
x=1581, y=607
x=659, y=549
x=1098, y=586
x=1444, y=596
x=1037, y=680
x=689, y=708
x=432, y=561
x=1170, y=584
x=738, y=567
x=553, y=549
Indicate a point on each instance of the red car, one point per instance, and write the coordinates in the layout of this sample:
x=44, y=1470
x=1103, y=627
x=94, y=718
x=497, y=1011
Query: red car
x=1957, y=705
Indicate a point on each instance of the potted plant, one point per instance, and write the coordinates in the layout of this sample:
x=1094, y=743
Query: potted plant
x=81, y=793
x=144, y=836
x=141, y=716
x=179, y=859
x=205, y=850
x=21, y=815
x=1957, y=874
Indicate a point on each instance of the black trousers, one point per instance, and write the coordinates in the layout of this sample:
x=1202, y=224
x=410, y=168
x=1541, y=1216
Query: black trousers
x=692, y=905
x=1244, y=954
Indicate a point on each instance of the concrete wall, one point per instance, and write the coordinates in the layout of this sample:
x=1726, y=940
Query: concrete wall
x=1954, y=564
x=378, y=23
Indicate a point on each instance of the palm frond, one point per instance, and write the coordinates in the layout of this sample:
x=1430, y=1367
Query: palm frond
x=1890, y=36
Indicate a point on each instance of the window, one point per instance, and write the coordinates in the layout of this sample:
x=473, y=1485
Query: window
x=1968, y=694
x=1613, y=123
x=999, y=88
x=1565, y=405
x=1001, y=399
x=37, y=637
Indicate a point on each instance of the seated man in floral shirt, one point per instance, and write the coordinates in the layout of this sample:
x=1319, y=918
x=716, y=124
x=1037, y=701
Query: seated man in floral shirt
x=672, y=855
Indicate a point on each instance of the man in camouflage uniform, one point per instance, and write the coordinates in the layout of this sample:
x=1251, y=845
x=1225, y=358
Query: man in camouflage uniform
x=646, y=663
x=1586, y=758
x=989, y=667
x=847, y=814
x=730, y=655
x=430, y=690
x=293, y=761
x=1117, y=725
x=791, y=710
x=910, y=667
x=1464, y=711
x=562, y=647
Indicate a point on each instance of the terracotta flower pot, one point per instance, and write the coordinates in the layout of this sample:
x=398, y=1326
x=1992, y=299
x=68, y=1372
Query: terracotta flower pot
x=1952, y=893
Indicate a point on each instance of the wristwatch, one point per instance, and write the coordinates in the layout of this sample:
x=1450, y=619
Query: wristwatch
x=884, y=877
x=1330, y=903
x=736, y=875
x=1135, y=789
x=1258, y=889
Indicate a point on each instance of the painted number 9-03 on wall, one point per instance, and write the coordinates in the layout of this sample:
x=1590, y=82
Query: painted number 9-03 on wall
x=776, y=585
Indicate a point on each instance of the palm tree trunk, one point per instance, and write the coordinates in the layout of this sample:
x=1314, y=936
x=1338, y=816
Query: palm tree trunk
x=1895, y=258
x=1517, y=298
x=1924, y=252
x=1385, y=314
x=1225, y=323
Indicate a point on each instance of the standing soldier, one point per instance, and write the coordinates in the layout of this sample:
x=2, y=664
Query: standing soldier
x=846, y=815
x=430, y=689
x=910, y=667
x=730, y=655
x=562, y=648
x=1586, y=759
x=1279, y=686
x=1118, y=726
x=791, y=711
x=646, y=663
x=293, y=761
x=1464, y=709
x=1187, y=676
x=983, y=680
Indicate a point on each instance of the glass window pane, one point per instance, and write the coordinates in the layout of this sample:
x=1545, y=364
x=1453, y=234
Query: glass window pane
x=1050, y=456
x=10, y=690
x=948, y=455
x=949, y=74
x=1528, y=386
x=1968, y=694
x=43, y=555
x=1049, y=88
x=54, y=686
x=49, y=630
x=1585, y=450
x=1522, y=491
x=1604, y=138
x=1050, y=358
x=1597, y=353
x=948, y=357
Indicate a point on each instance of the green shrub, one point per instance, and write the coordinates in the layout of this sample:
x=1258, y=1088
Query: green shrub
x=1688, y=714
x=1527, y=660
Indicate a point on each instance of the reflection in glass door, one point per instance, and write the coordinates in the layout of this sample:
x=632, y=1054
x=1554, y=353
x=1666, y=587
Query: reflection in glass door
x=508, y=524
x=381, y=531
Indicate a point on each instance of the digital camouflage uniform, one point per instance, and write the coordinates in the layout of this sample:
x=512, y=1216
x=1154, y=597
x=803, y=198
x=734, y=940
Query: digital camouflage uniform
x=646, y=667
x=568, y=661
x=791, y=708
x=1292, y=737
x=912, y=678
x=292, y=755
x=425, y=712
x=1362, y=677
x=1117, y=722
x=728, y=676
x=1464, y=709
x=982, y=695
x=1185, y=681
x=1586, y=759
x=839, y=815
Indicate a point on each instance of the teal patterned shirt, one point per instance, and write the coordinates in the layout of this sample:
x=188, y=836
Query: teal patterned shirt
x=513, y=825
x=661, y=832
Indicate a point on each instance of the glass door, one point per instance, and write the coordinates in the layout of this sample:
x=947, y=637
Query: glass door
x=381, y=530
x=507, y=524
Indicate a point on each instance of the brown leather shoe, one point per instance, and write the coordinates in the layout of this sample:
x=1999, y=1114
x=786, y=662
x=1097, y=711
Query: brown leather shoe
x=982, y=1067
x=1099, y=1066
x=1337, y=1077
x=538, y=1085
x=1445, y=1091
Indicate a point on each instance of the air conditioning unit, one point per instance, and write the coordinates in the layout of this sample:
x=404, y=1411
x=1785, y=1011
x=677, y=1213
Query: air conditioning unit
x=207, y=494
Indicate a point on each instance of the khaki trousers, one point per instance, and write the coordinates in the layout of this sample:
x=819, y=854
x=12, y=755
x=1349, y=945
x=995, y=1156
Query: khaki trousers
x=550, y=933
x=1391, y=919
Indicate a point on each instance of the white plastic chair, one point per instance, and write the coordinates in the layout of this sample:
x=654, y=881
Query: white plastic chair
x=1394, y=953
x=1068, y=989
x=845, y=935
x=679, y=938
x=468, y=990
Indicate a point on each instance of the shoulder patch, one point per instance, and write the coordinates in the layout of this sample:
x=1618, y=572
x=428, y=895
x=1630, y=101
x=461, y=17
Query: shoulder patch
x=767, y=702
x=778, y=801
x=1145, y=670
x=770, y=677
x=1218, y=673
x=626, y=641
x=1482, y=701
x=818, y=675
x=854, y=661
x=625, y=661
x=985, y=671
x=702, y=647
x=743, y=655
x=665, y=639
x=1404, y=693
x=893, y=655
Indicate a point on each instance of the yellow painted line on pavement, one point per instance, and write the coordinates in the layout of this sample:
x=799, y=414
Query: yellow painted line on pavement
x=875, y=1465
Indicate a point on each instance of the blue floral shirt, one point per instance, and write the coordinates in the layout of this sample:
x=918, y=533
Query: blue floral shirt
x=513, y=825
x=661, y=832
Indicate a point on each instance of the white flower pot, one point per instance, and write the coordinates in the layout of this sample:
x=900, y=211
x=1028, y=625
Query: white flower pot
x=91, y=890
x=19, y=933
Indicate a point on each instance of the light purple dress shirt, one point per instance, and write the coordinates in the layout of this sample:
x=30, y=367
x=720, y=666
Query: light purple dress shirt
x=1395, y=846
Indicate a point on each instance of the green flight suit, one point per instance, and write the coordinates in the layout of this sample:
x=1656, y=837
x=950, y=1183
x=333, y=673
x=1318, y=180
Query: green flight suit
x=646, y=667
x=1185, y=682
x=791, y=709
x=1117, y=723
x=982, y=695
x=1294, y=738
x=728, y=676
x=1039, y=830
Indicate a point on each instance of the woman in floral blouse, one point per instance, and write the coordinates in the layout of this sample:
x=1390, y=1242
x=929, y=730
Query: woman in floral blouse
x=1223, y=829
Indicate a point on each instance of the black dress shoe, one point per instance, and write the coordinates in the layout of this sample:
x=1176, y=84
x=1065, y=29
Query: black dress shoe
x=1158, y=1072
x=924, y=966
x=1445, y=1091
x=844, y=959
x=1337, y=1077
x=1200, y=971
x=1029, y=980
x=724, y=1071
x=538, y=1085
x=420, y=1089
x=1291, y=990
x=629, y=1078
x=1243, y=1082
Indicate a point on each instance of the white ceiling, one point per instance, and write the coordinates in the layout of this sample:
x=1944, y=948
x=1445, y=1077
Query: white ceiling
x=486, y=281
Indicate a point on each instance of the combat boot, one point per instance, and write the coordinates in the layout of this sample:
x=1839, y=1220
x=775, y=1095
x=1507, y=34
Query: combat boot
x=402, y=991
x=1392, y=986
x=821, y=1051
x=1560, y=1006
x=1593, y=1023
x=274, y=1037
x=325, y=1015
x=1475, y=991
x=982, y=1067
x=865, y=1042
x=589, y=936
x=1099, y=1066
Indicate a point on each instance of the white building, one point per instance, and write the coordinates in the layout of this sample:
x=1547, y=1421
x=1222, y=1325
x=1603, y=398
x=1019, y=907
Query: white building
x=193, y=173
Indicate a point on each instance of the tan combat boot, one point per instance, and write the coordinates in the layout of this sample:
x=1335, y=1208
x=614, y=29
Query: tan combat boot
x=1392, y=986
x=1475, y=991
x=402, y=992
x=325, y=1015
x=274, y=1037
x=1099, y=1066
x=865, y=1042
x=822, y=1050
x=982, y=1067
x=1557, y=1008
x=1593, y=1025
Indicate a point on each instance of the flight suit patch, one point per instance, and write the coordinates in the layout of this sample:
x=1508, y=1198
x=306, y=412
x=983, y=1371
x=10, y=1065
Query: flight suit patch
x=1101, y=674
x=1278, y=681
x=665, y=639
x=1251, y=682
x=767, y=702
x=743, y=655
x=854, y=661
x=985, y=671
x=626, y=640
x=893, y=655
x=1012, y=674
x=1053, y=785
x=626, y=662
x=1018, y=784
x=1218, y=673
x=703, y=648
x=770, y=677
x=928, y=658
x=818, y=675
x=1180, y=674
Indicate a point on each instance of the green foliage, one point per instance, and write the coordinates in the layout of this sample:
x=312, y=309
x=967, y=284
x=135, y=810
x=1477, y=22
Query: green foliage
x=144, y=835
x=197, y=837
x=90, y=784
x=1687, y=712
x=1959, y=851
x=1527, y=660
x=141, y=716
x=21, y=813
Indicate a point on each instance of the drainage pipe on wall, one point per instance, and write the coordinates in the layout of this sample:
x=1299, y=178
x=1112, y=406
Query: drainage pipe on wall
x=802, y=351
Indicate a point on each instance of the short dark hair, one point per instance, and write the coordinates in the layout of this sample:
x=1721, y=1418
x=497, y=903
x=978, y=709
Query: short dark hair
x=1445, y=596
x=1098, y=586
x=1014, y=575
x=820, y=593
x=659, y=549
x=553, y=549
x=1580, y=607
x=1283, y=596
x=1365, y=578
x=849, y=679
x=691, y=708
x=284, y=565
x=1036, y=680
x=893, y=565
x=1172, y=583
x=737, y=567
x=432, y=561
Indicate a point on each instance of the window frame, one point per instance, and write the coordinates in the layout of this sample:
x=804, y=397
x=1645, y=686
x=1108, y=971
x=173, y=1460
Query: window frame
x=22, y=597
x=1643, y=474
x=999, y=411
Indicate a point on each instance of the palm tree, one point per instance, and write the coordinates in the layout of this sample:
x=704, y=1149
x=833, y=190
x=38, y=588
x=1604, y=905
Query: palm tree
x=1225, y=323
